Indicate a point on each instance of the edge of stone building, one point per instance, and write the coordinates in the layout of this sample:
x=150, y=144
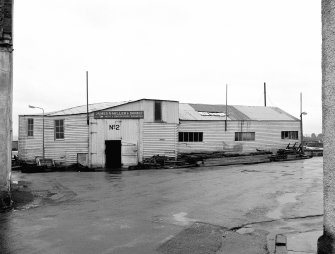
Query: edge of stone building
x=5, y=200
x=326, y=244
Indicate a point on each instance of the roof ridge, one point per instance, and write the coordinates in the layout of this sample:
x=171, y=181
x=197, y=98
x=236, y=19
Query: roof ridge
x=77, y=107
x=90, y=109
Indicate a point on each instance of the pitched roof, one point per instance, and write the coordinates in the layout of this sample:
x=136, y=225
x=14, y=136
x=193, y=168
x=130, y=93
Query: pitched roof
x=82, y=109
x=92, y=108
x=256, y=113
x=189, y=111
x=265, y=113
x=233, y=114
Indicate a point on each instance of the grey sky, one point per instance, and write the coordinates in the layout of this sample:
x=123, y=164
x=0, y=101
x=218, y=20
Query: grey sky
x=185, y=50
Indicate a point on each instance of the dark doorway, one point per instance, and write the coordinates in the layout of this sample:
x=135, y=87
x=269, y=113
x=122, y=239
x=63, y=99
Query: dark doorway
x=113, y=153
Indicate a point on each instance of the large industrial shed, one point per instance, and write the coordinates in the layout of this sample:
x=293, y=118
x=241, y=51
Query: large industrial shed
x=237, y=128
x=124, y=133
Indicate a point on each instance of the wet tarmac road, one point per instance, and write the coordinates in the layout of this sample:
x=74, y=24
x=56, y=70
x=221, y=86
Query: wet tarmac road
x=136, y=211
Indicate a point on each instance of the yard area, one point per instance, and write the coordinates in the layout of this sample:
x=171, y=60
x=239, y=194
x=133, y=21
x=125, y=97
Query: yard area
x=138, y=211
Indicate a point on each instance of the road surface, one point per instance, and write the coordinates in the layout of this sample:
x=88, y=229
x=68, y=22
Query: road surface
x=138, y=211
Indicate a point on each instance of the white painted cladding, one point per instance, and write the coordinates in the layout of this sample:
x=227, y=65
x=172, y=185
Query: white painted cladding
x=159, y=139
x=126, y=130
x=143, y=138
x=139, y=137
x=30, y=147
x=215, y=138
x=170, y=110
x=63, y=151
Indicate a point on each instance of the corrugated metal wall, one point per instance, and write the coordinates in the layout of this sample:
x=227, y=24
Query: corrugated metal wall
x=63, y=151
x=170, y=111
x=140, y=137
x=159, y=138
x=215, y=138
x=30, y=147
x=126, y=130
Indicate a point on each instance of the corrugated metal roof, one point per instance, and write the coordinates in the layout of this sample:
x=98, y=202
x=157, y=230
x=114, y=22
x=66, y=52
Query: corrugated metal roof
x=265, y=113
x=187, y=112
x=244, y=113
x=283, y=112
x=92, y=107
x=233, y=114
x=82, y=109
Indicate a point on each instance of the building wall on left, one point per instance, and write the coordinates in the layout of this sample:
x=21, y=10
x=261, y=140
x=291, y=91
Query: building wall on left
x=63, y=151
x=6, y=91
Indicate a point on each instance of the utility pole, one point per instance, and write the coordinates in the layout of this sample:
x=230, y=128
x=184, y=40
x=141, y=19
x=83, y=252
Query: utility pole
x=6, y=99
x=226, y=108
x=88, y=126
x=300, y=103
x=301, y=126
x=264, y=94
x=87, y=114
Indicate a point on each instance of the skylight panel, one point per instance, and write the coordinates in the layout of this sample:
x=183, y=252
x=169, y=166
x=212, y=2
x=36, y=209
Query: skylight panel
x=220, y=114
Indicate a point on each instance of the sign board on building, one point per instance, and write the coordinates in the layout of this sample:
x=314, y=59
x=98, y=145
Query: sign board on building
x=119, y=115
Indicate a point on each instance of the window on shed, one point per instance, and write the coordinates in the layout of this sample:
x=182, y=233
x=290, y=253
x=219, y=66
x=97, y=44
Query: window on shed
x=196, y=136
x=185, y=137
x=201, y=134
x=289, y=135
x=30, y=127
x=181, y=136
x=59, y=129
x=244, y=136
x=190, y=136
x=158, y=111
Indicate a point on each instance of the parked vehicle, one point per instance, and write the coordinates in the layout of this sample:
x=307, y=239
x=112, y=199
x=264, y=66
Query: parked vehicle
x=15, y=155
x=314, y=148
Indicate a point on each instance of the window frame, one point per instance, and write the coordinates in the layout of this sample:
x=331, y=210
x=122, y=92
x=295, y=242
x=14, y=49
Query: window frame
x=189, y=136
x=244, y=136
x=30, y=130
x=293, y=135
x=158, y=115
x=61, y=131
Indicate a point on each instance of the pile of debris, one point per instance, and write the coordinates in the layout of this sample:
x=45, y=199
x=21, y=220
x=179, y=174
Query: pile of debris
x=289, y=153
x=161, y=162
x=196, y=157
x=190, y=159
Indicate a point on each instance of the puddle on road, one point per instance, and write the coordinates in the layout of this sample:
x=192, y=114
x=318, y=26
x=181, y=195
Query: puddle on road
x=249, y=171
x=282, y=200
x=182, y=219
x=245, y=230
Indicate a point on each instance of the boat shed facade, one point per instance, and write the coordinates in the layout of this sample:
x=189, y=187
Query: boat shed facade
x=118, y=133
x=124, y=133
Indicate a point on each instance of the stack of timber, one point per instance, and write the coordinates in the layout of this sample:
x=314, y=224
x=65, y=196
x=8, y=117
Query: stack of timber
x=227, y=158
x=161, y=162
x=203, y=159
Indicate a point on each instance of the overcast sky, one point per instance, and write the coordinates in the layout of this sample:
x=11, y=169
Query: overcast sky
x=185, y=50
